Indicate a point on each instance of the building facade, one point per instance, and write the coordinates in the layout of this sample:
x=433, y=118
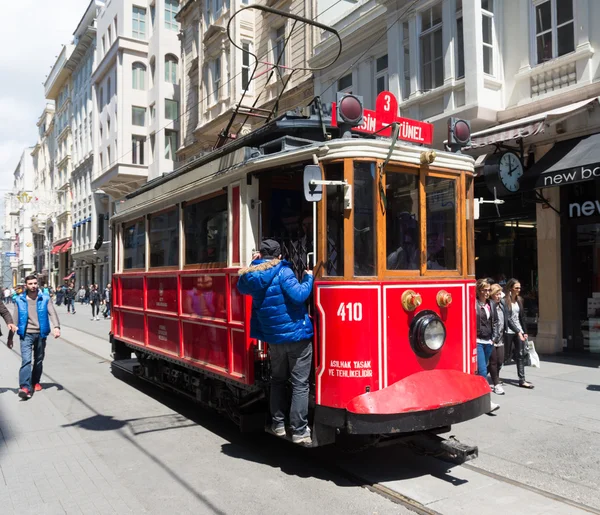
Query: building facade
x=216, y=75
x=21, y=210
x=525, y=73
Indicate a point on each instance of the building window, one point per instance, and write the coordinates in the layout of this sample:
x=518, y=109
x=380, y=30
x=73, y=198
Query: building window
x=246, y=49
x=103, y=45
x=100, y=100
x=279, y=46
x=164, y=238
x=171, y=8
x=171, y=69
x=109, y=36
x=381, y=74
x=152, y=113
x=108, y=160
x=216, y=79
x=345, y=84
x=138, y=23
x=432, y=55
x=554, y=29
x=171, y=109
x=138, y=116
x=108, y=91
x=205, y=226
x=170, y=144
x=137, y=149
x=138, y=76
x=406, y=63
x=460, y=42
x=487, y=26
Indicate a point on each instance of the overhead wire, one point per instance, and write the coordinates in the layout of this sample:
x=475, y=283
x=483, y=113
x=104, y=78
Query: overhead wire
x=202, y=100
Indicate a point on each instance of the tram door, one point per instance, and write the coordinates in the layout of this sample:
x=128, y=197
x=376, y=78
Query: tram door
x=286, y=216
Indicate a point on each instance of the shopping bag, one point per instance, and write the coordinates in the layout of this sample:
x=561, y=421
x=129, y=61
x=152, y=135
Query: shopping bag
x=534, y=359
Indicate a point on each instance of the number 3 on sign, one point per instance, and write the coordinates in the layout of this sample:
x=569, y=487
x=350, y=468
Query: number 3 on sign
x=352, y=310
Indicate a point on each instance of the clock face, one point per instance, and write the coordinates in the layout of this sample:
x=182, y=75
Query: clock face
x=510, y=171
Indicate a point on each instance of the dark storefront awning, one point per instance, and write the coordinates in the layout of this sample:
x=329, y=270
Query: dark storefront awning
x=568, y=162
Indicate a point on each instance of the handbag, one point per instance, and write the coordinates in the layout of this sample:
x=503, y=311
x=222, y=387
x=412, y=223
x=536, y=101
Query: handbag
x=533, y=358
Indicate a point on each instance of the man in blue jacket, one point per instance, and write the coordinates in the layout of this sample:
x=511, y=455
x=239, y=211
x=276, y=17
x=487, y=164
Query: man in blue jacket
x=34, y=312
x=280, y=318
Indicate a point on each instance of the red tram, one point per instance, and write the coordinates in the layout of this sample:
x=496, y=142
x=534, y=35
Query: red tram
x=393, y=242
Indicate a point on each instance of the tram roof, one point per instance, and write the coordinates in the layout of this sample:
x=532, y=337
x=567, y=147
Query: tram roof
x=290, y=139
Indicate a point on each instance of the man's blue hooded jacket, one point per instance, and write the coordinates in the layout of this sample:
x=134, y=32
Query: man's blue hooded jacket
x=278, y=301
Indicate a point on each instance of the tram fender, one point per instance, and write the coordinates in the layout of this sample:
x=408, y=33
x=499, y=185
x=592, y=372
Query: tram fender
x=423, y=391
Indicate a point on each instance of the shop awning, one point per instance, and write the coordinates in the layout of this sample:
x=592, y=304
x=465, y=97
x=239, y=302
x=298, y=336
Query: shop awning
x=69, y=277
x=567, y=162
x=57, y=248
x=525, y=127
x=67, y=246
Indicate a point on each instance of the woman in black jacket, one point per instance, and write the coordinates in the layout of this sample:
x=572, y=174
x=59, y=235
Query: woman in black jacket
x=517, y=340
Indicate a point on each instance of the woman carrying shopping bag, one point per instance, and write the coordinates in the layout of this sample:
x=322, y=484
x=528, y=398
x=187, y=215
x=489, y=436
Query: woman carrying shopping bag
x=517, y=340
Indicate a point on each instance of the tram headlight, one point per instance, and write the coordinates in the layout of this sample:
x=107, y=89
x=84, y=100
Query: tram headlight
x=427, y=333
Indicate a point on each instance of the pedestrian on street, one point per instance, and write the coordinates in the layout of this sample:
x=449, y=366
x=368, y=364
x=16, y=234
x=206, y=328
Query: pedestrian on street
x=107, y=300
x=81, y=294
x=487, y=329
x=517, y=340
x=6, y=294
x=12, y=328
x=95, y=299
x=70, y=299
x=504, y=323
x=280, y=318
x=35, y=312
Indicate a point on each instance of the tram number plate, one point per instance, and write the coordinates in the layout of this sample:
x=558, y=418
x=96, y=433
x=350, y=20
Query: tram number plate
x=351, y=311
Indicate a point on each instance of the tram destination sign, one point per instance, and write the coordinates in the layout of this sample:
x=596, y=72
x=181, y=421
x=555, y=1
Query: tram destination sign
x=386, y=112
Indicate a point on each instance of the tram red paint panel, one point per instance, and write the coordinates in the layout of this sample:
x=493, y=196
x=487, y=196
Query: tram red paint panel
x=115, y=322
x=402, y=361
x=205, y=343
x=237, y=301
x=132, y=294
x=133, y=326
x=204, y=295
x=472, y=327
x=240, y=354
x=349, y=343
x=162, y=293
x=163, y=334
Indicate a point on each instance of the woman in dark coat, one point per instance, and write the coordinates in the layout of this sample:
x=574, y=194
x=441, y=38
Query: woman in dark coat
x=517, y=340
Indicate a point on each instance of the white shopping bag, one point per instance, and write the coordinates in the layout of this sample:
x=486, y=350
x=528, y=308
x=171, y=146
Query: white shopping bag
x=533, y=355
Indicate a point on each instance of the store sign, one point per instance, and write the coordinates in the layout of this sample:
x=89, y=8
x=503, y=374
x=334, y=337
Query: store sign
x=380, y=120
x=579, y=174
x=588, y=208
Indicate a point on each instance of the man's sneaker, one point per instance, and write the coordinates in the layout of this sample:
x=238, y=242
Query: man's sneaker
x=278, y=430
x=498, y=390
x=494, y=407
x=303, y=439
x=38, y=387
x=24, y=393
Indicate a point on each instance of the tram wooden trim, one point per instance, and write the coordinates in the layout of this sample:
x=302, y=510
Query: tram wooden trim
x=349, y=223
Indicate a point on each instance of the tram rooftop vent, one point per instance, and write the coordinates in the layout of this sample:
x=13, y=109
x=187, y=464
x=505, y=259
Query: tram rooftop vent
x=283, y=144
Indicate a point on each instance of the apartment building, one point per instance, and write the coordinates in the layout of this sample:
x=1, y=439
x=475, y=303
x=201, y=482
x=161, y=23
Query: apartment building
x=90, y=211
x=43, y=155
x=215, y=73
x=526, y=75
x=21, y=210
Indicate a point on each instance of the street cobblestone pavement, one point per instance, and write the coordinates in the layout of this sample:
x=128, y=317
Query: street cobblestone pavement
x=90, y=443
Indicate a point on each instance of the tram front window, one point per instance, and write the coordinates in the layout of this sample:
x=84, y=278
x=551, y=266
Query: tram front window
x=402, y=221
x=441, y=223
x=364, y=219
x=335, y=221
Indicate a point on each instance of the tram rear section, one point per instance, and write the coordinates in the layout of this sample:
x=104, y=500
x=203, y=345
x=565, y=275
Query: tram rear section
x=390, y=240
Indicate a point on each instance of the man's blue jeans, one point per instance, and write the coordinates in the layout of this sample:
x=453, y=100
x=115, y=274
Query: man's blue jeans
x=484, y=351
x=32, y=344
x=290, y=360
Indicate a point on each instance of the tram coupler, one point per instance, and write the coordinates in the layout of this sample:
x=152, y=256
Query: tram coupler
x=447, y=449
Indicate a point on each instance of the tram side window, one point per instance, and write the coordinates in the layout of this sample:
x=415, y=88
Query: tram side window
x=441, y=223
x=164, y=239
x=335, y=221
x=134, y=245
x=205, y=226
x=364, y=219
x=402, y=221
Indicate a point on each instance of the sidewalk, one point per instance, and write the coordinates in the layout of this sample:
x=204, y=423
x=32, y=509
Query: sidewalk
x=46, y=467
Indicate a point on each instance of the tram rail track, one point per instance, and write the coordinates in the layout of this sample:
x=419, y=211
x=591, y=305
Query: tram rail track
x=385, y=491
